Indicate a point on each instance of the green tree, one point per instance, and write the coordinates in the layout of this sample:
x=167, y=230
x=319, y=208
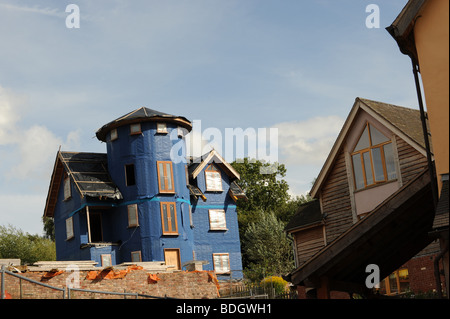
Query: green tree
x=268, y=247
x=14, y=243
x=49, y=228
x=265, y=192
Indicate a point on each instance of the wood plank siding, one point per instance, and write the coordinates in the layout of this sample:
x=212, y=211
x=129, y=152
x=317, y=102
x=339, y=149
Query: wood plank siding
x=308, y=242
x=335, y=194
x=336, y=202
x=410, y=160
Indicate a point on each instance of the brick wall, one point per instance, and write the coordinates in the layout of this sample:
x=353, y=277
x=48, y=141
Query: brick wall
x=421, y=274
x=189, y=285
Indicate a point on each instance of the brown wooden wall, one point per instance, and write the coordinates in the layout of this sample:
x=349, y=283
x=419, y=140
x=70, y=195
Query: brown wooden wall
x=336, y=202
x=410, y=160
x=308, y=242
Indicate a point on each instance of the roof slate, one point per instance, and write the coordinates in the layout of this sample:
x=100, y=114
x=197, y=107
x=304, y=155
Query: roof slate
x=405, y=119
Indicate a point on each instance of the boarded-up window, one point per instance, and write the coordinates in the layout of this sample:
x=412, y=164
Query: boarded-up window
x=69, y=228
x=132, y=215
x=221, y=263
x=169, y=219
x=136, y=256
x=217, y=220
x=113, y=135
x=67, y=187
x=213, y=178
x=165, y=177
x=106, y=260
x=135, y=129
x=161, y=128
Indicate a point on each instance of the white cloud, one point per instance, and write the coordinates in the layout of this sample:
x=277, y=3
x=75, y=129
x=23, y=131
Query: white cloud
x=36, y=9
x=32, y=148
x=309, y=141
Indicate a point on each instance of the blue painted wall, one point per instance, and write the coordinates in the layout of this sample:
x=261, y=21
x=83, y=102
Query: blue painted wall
x=208, y=242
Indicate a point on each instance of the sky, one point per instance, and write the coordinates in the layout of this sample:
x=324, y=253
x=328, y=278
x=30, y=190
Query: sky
x=293, y=65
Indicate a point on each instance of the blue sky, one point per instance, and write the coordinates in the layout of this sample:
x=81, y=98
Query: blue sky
x=295, y=65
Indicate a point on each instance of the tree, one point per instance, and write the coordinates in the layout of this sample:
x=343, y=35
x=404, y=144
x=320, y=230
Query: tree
x=49, y=228
x=14, y=243
x=268, y=247
x=265, y=192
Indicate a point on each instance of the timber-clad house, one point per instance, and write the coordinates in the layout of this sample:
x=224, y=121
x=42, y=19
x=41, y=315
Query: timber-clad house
x=135, y=204
x=371, y=206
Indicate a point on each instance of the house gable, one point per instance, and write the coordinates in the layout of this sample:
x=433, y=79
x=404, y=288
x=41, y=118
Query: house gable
x=398, y=152
x=88, y=174
x=403, y=122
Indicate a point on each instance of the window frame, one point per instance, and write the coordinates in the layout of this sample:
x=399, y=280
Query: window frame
x=133, y=132
x=212, y=169
x=169, y=231
x=67, y=187
x=161, y=128
x=69, y=228
x=216, y=225
x=221, y=270
x=370, y=150
x=106, y=260
x=164, y=178
x=113, y=135
x=136, y=253
x=136, y=213
x=128, y=177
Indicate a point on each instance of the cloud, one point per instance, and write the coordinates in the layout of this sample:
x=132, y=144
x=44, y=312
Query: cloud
x=27, y=152
x=307, y=142
x=45, y=11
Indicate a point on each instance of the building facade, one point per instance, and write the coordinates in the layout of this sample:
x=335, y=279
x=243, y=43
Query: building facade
x=421, y=31
x=364, y=210
x=143, y=201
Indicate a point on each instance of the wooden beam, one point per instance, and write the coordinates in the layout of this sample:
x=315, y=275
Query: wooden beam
x=88, y=224
x=323, y=291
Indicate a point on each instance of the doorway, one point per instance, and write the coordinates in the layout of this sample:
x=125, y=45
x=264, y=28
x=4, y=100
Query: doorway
x=172, y=257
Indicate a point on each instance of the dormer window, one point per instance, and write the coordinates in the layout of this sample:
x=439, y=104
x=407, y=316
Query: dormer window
x=213, y=179
x=373, y=158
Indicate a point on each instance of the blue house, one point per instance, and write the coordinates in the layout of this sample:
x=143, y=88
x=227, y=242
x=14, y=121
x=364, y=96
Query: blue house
x=139, y=202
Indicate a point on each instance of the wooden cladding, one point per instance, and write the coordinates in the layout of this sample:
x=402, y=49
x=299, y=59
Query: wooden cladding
x=410, y=160
x=308, y=242
x=336, y=203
